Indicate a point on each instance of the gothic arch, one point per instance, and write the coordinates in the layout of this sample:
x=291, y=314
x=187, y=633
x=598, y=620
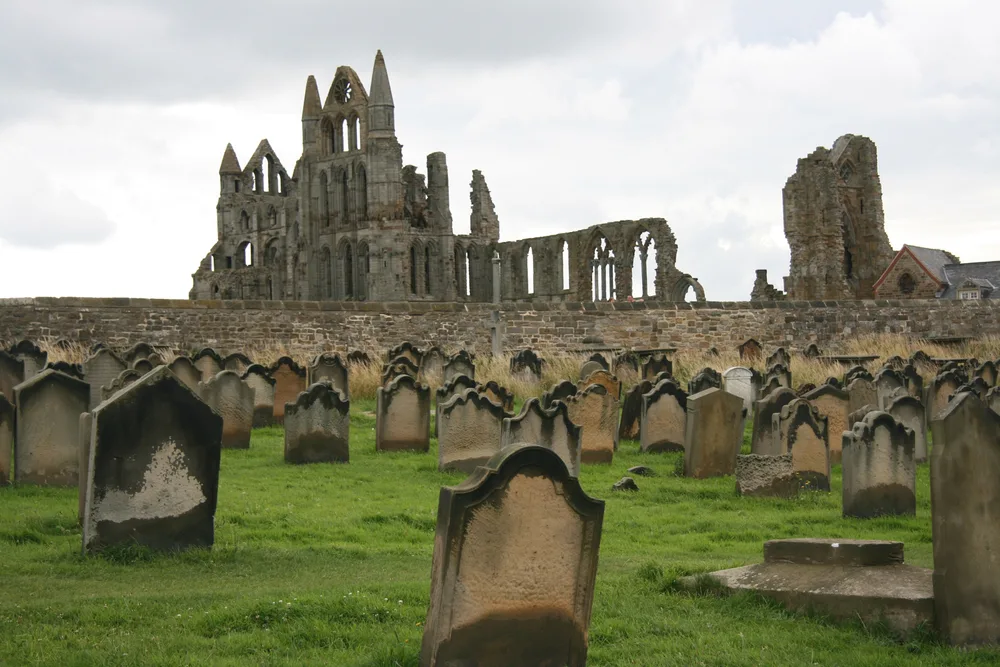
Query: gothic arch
x=361, y=179
x=682, y=284
x=345, y=256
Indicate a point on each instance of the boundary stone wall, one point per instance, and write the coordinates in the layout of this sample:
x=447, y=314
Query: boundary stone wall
x=308, y=327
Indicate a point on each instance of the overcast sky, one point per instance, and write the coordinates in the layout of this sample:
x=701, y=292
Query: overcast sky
x=114, y=116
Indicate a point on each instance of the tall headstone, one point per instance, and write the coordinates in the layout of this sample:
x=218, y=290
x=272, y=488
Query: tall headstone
x=762, y=441
x=938, y=391
x=550, y=428
x=460, y=363
x=233, y=400
x=99, y=370
x=910, y=412
x=739, y=381
x=431, y=368
x=208, y=362
x=289, y=381
x=889, y=385
x=559, y=392
x=446, y=392
x=488, y=607
x=31, y=356
x=46, y=428
x=662, y=420
x=259, y=379
x=595, y=411
x=628, y=427
x=602, y=377
x=186, y=372
x=965, y=521
x=330, y=368
x=880, y=474
x=655, y=365
x=914, y=382
x=402, y=416
x=153, y=473
x=470, y=430
x=236, y=361
x=11, y=374
x=714, y=433
x=832, y=403
x=800, y=430
x=861, y=392
x=318, y=426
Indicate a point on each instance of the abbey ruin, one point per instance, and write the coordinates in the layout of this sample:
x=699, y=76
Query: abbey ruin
x=352, y=223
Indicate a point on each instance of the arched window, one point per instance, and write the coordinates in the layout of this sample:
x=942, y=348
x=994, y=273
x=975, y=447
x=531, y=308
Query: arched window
x=356, y=134
x=471, y=255
x=564, y=264
x=215, y=291
x=270, y=176
x=272, y=217
x=603, y=264
x=245, y=253
x=529, y=260
x=348, y=258
x=244, y=221
x=427, y=270
x=345, y=194
x=362, y=193
x=324, y=199
x=344, y=135
x=644, y=266
x=906, y=284
x=327, y=265
x=413, y=269
x=329, y=138
x=364, y=268
x=258, y=181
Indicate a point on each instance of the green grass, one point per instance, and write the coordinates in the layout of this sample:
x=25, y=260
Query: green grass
x=330, y=564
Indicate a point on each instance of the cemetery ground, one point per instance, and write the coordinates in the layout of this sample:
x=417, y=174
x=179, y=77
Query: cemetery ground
x=330, y=564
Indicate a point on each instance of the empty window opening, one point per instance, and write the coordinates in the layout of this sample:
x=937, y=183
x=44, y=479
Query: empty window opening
x=468, y=273
x=324, y=199
x=603, y=269
x=236, y=185
x=564, y=263
x=343, y=135
x=356, y=134
x=211, y=263
x=344, y=195
x=644, y=267
x=247, y=254
x=362, y=194
x=329, y=140
x=267, y=164
x=427, y=270
x=413, y=270
x=215, y=291
x=258, y=181
x=348, y=270
x=229, y=261
x=529, y=260
x=327, y=274
x=907, y=284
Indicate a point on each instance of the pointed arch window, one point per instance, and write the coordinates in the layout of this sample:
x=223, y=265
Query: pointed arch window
x=324, y=199
x=362, y=194
x=345, y=194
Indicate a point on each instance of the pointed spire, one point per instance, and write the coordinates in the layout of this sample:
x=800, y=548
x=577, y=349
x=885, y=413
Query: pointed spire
x=230, y=163
x=311, y=106
x=380, y=93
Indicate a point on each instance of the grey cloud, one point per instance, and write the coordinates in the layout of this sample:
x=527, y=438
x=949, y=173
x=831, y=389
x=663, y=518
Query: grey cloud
x=45, y=218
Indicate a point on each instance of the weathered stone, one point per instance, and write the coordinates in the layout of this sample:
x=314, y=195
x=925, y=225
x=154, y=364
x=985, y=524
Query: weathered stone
x=186, y=372
x=832, y=403
x=259, y=379
x=602, y=377
x=889, y=385
x=99, y=370
x=706, y=378
x=857, y=372
x=446, y=392
x=801, y=430
x=766, y=476
x=750, y=350
x=527, y=366
x=124, y=379
x=460, y=363
x=762, y=441
x=432, y=366
x=550, y=428
x=914, y=382
x=910, y=412
x=589, y=368
x=142, y=366
x=487, y=608
x=988, y=372
x=46, y=428
x=470, y=430
x=642, y=471
x=393, y=371
x=407, y=349
x=938, y=391
x=233, y=400
x=861, y=392
x=655, y=365
x=771, y=385
x=662, y=422
x=595, y=411
x=318, y=426
x=559, y=392
x=31, y=356
x=812, y=551
x=11, y=374
x=880, y=474
x=742, y=382
x=153, y=475
x=713, y=434
x=208, y=362
x=965, y=511
x=289, y=381
x=6, y=440
x=358, y=357
x=780, y=373
x=237, y=361
x=812, y=351
x=402, y=416
x=140, y=350
x=625, y=484
x=330, y=368
x=628, y=426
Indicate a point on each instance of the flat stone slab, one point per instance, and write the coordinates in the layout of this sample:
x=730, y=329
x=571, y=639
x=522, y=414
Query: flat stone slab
x=809, y=551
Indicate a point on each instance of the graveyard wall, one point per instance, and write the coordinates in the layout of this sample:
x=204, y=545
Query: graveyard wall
x=307, y=327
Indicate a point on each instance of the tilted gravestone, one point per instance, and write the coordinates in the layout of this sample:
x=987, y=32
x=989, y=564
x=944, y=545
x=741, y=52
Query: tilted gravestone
x=714, y=433
x=31, y=356
x=914, y=381
x=550, y=428
x=889, y=385
x=330, y=368
x=186, y=372
x=153, y=473
x=832, y=403
x=628, y=427
x=289, y=382
x=208, y=362
x=779, y=356
x=880, y=473
x=460, y=363
x=46, y=428
x=402, y=416
x=595, y=411
x=6, y=439
x=489, y=607
x=124, y=379
x=799, y=429
x=589, y=368
x=861, y=392
x=99, y=370
x=911, y=413
x=602, y=377
x=662, y=420
x=233, y=400
x=559, y=392
x=762, y=441
x=706, y=378
x=965, y=521
x=526, y=366
x=318, y=426
x=655, y=365
x=469, y=431
x=11, y=374
x=236, y=361
x=259, y=379
x=446, y=392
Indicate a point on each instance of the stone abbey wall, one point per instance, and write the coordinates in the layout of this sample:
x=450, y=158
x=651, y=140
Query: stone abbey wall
x=308, y=327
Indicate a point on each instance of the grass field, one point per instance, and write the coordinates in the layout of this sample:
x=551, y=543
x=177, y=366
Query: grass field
x=330, y=564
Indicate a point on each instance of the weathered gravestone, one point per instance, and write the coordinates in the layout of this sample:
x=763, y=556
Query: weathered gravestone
x=779, y=356
x=706, y=378
x=628, y=427
x=655, y=365
x=880, y=474
x=897, y=362
x=99, y=370
x=330, y=368
x=910, y=412
x=630, y=360
x=855, y=372
x=208, y=362
x=595, y=411
x=446, y=392
x=408, y=350
x=515, y=561
x=889, y=385
x=318, y=426
x=393, y=371
x=142, y=366
x=124, y=379
x=289, y=381
x=470, y=430
x=914, y=382
x=526, y=366
x=965, y=511
x=153, y=473
x=432, y=366
x=978, y=385
x=589, y=368
x=780, y=373
x=459, y=364
x=259, y=379
x=832, y=403
x=155, y=360
x=11, y=374
x=236, y=361
x=493, y=391
x=6, y=439
x=750, y=350
x=550, y=428
x=559, y=392
x=233, y=400
x=46, y=428
x=402, y=416
x=762, y=441
x=602, y=377
x=359, y=358
x=72, y=370
x=812, y=351
x=861, y=392
x=988, y=371
x=765, y=476
x=714, y=433
x=938, y=391
x=662, y=420
x=993, y=399
x=598, y=358
x=186, y=372
x=31, y=356
x=799, y=429
x=739, y=381
x=771, y=385
x=140, y=350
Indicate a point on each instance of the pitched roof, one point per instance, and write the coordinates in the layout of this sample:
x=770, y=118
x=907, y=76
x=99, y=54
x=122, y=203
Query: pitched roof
x=380, y=93
x=933, y=259
x=230, y=164
x=981, y=274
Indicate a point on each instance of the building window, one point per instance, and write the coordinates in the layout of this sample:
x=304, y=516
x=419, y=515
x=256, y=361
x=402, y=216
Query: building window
x=968, y=294
x=906, y=284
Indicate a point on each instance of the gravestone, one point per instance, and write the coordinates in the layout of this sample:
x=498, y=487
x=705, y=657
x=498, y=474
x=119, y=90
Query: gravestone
x=459, y=364
x=706, y=378
x=446, y=392
x=857, y=372
x=978, y=385
x=358, y=357
x=46, y=428
x=771, y=385
x=153, y=472
x=6, y=440
x=402, y=416
x=993, y=399
x=939, y=391
x=487, y=608
x=739, y=381
x=588, y=368
x=550, y=428
x=628, y=360
x=762, y=441
x=880, y=474
x=834, y=382
x=714, y=433
x=804, y=388
x=233, y=400
x=914, y=382
x=259, y=379
x=155, y=360
x=861, y=392
x=470, y=430
x=889, y=385
x=965, y=521
x=11, y=374
x=628, y=427
x=208, y=362
x=330, y=368
x=237, y=361
x=766, y=476
x=895, y=362
x=124, y=379
x=655, y=365
x=142, y=366
x=597, y=357
x=602, y=377
x=99, y=370
x=559, y=392
x=393, y=371
x=72, y=370
x=432, y=365
x=800, y=430
x=834, y=404
x=781, y=373
x=289, y=381
x=493, y=391
x=140, y=350
x=31, y=356
x=408, y=350
x=526, y=365
x=911, y=413
x=318, y=426
x=750, y=350
x=812, y=351
x=662, y=422
x=988, y=372
x=186, y=372
x=595, y=411
x=779, y=356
